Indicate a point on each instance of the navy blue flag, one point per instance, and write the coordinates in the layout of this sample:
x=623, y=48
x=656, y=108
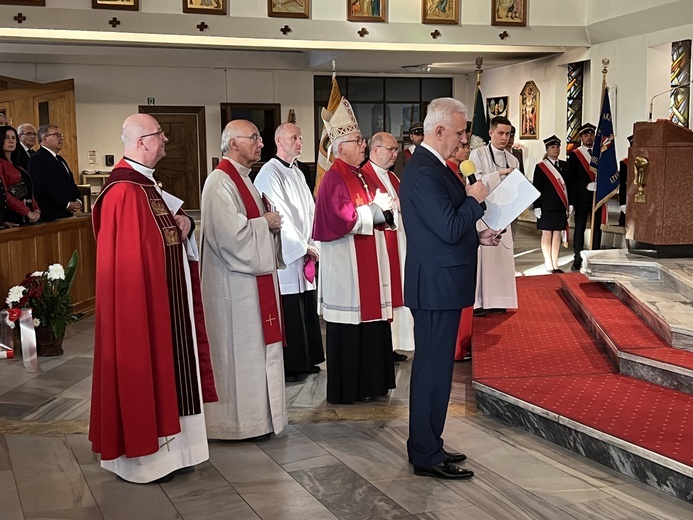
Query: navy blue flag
x=604, y=163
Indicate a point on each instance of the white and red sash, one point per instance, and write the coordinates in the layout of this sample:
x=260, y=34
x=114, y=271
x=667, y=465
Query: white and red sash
x=585, y=161
x=272, y=320
x=559, y=185
x=390, y=238
x=365, y=246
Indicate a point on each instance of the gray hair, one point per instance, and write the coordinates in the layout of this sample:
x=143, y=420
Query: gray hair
x=226, y=137
x=440, y=112
x=335, y=144
x=44, y=130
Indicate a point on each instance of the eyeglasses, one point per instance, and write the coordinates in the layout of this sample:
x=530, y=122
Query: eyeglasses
x=359, y=141
x=159, y=132
x=255, y=138
x=391, y=149
x=57, y=134
x=28, y=133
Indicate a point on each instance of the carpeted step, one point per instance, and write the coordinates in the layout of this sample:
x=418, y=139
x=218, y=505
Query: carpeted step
x=543, y=338
x=662, y=307
x=629, y=342
x=538, y=368
x=638, y=413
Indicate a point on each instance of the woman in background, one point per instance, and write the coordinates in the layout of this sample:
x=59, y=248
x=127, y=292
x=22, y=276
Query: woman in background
x=21, y=207
x=552, y=208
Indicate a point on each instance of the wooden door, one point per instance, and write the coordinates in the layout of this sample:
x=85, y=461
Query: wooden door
x=183, y=170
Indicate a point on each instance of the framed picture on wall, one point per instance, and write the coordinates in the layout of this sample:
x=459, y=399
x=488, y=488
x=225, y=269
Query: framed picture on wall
x=366, y=10
x=509, y=12
x=529, y=111
x=205, y=6
x=497, y=106
x=440, y=11
x=128, y=5
x=288, y=8
x=22, y=2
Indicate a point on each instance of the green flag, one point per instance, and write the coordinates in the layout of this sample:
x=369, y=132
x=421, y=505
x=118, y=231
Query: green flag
x=479, y=122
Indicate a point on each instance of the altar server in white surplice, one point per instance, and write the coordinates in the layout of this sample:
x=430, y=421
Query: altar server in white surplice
x=383, y=153
x=282, y=181
x=495, y=278
x=241, y=251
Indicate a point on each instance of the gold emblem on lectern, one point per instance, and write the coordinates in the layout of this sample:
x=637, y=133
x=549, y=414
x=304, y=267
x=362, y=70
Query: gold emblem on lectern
x=641, y=165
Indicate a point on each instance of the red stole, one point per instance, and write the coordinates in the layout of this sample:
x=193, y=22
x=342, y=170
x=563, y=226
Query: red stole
x=390, y=237
x=269, y=311
x=366, y=251
x=553, y=175
x=559, y=185
x=455, y=168
x=585, y=161
x=407, y=154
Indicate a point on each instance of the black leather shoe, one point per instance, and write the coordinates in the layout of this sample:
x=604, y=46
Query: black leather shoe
x=451, y=456
x=400, y=358
x=367, y=399
x=480, y=312
x=575, y=267
x=497, y=311
x=444, y=470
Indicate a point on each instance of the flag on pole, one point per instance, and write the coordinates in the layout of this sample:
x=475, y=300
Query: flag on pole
x=479, y=122
x=604, y=163
x=325, y=157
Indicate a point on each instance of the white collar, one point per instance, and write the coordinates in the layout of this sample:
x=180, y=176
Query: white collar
x=51, y=151
x=378, y=169
x=141, y=168
x=434, y=152
x=243, y=170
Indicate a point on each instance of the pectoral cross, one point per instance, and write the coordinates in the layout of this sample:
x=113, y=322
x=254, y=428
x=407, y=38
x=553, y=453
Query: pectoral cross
x=270, y=319
x=166, y=444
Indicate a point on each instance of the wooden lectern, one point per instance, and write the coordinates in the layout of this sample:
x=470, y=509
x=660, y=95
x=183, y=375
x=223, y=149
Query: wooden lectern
x=659, y=206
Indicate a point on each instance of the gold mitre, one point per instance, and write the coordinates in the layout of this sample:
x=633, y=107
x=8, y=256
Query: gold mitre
x=341, y=122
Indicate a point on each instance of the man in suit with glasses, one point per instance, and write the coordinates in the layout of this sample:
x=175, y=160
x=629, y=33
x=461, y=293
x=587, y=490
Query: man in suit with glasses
x=54, y=184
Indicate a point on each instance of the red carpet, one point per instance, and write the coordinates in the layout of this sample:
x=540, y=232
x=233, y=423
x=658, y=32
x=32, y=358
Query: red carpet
x=543, y=355
x=542, y=338
x=625, y=328
x=650, y=416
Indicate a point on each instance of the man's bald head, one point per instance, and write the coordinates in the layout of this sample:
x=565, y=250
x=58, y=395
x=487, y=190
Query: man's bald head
x=289, y=141
x=242, y=142
x=143, y=139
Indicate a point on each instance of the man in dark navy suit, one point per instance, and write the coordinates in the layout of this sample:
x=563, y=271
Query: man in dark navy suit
x=54, y=184
x=440, y=216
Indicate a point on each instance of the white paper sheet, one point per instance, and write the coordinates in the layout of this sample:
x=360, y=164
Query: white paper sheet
x=508, y=200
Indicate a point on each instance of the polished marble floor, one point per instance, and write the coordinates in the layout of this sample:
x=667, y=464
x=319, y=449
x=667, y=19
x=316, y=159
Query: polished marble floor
x=345, y=462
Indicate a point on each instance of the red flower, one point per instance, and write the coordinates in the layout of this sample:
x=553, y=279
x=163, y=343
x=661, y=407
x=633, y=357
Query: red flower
x=14, y=313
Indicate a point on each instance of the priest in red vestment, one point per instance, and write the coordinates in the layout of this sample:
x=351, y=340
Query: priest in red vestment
x=149, y=380
x=355, y=294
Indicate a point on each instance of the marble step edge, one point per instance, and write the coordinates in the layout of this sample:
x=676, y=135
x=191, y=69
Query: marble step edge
x=619, y=264
x=594, y=433
x=630, y=364
x=675, y=334
x=621, y=456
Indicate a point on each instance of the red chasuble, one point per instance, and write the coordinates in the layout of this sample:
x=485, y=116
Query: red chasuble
x=341, y=192
x=272, y=319
x=390, y=236
x=145, y=375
